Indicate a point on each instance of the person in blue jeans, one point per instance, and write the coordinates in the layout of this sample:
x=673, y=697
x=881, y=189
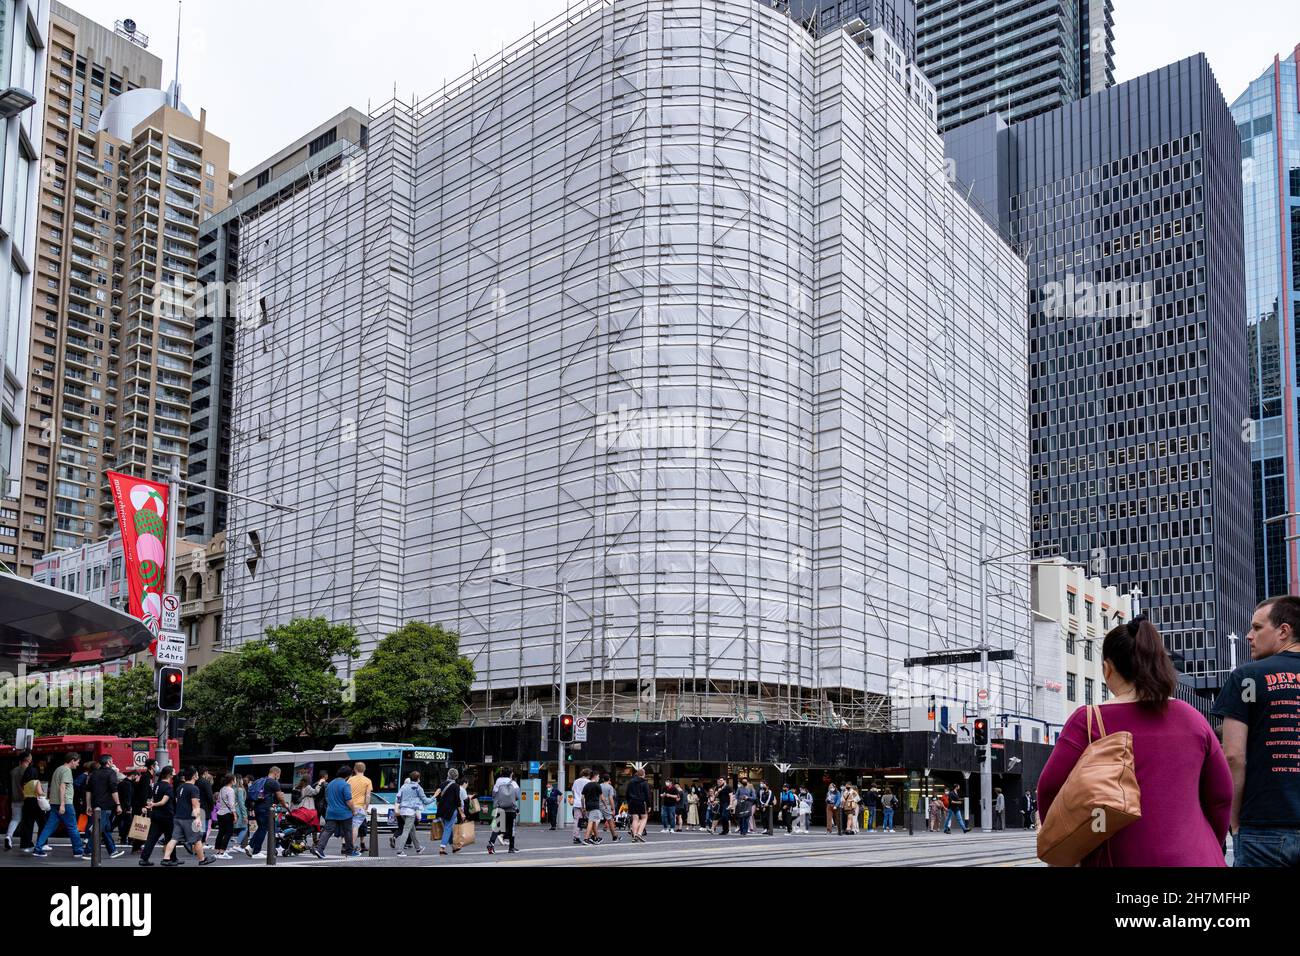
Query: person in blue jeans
x=668, y=806
x=62, y=809
x=338, y=814
x=104, y=800
x=1258, y=701
x=887, y=801
x=954, y=810
x=449, y=800
x=269, y=794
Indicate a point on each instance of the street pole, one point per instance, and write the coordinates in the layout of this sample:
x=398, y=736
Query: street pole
x=169, y=571
x=982, y=705
x=564, y=688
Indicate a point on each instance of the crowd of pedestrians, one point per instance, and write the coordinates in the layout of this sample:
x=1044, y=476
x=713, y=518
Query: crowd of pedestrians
x=1197, y=790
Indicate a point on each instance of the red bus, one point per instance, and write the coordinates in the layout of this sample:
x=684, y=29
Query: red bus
x=125, y=751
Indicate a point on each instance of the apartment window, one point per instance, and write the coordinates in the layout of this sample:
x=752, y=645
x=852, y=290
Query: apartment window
x=1087, y=690
x=322, y=141
x=1087, y=609
x=263, y=178
x=1087, y=650
x=1070, y=691
x=1071, y=602
x=1069, y=642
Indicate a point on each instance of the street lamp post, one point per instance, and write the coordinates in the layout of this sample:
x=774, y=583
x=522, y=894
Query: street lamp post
x=983, y=706
x=563, y=594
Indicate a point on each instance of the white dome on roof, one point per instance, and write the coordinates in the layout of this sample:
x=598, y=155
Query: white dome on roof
x=130, y=109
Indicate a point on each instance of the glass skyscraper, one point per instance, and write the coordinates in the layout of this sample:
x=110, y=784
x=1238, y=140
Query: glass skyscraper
x=1126, y=207
x=1268, y=123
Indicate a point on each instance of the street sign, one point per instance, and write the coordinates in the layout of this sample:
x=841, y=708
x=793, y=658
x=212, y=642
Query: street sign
x=171, y=649
x=982, y=695
x=580, y=729
x=534, y=766
x=956, y=657
x=964, y=735
x=171, y=612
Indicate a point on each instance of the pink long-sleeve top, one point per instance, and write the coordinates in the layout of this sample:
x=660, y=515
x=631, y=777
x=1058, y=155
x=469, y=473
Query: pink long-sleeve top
x=1183, y=776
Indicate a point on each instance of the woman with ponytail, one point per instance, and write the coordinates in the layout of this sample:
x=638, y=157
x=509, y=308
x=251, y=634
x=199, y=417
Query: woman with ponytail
x=1185, y=781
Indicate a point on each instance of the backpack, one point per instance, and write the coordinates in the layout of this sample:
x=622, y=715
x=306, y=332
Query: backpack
x=256, y=789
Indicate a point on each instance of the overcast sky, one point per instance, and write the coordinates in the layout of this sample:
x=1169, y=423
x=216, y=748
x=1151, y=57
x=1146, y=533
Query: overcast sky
x=268, y=71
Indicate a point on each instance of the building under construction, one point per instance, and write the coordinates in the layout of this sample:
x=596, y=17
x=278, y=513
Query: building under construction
x=674, y=306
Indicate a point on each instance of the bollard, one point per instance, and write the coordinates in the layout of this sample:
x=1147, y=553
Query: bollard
x=95, y=850
x=270, y=837
x=374, y=832
x=910, y=814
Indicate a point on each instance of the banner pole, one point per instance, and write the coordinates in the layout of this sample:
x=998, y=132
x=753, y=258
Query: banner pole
x=169, y=571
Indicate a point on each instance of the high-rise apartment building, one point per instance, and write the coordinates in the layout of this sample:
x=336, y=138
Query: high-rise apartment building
x=1127, y=209
x=733, y=361
x=24, y=25
x=216, y=323
x=1268, y=123
x=895, y=17
x=1013, y=59
x=129, y=176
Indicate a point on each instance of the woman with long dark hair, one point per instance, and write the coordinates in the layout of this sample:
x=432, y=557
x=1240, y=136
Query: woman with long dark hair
x=1186, y=787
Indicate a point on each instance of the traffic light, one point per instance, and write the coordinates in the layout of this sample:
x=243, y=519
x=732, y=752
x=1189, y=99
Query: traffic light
x=566, y=728
x=981, y=732
x=171, y=688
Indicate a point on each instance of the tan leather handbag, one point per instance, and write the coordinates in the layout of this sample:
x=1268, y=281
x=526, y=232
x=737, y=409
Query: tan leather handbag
x=1099, y=798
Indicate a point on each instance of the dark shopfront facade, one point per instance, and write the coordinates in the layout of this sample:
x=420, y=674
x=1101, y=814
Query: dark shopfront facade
x=694, y=752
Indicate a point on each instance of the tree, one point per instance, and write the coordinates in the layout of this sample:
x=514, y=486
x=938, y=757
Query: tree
x=283, y=686
x=415, y=680
x=130, y=704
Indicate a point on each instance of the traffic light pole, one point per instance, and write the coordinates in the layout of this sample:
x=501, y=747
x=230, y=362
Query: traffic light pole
x=982, y=699
x=564, y=689
x=562, y=592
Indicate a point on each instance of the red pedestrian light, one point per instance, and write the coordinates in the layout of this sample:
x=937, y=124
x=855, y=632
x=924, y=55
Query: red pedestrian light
x=171, y=688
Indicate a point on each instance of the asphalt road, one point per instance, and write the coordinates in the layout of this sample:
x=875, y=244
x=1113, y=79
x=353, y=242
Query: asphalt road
x=541, y=847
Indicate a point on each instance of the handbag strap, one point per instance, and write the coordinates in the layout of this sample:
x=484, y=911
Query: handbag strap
x=1101, y=727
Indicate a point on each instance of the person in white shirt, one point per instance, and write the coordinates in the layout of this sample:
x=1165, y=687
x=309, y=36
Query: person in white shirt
x=505, y=808
x=579, y=807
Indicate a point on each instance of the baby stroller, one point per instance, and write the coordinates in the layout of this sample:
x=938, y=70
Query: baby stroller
x=296, y=830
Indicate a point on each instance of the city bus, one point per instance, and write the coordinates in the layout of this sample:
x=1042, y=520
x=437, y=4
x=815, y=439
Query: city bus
x=388, y=765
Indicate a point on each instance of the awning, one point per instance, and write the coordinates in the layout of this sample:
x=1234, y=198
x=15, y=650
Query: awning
x=46, y=629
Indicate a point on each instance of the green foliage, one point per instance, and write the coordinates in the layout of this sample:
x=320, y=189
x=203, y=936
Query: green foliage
x=414, y=685
x=130, y=705
x=271, y=690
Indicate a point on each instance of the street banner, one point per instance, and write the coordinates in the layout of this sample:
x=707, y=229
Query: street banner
x=142, y=517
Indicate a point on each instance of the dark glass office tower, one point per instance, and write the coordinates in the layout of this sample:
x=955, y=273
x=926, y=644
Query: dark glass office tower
x=1127, y=207
x=898, y=17
x=1016, y=60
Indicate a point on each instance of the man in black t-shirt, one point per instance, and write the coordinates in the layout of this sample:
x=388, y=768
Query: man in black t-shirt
x=723, y=793
x=187, y=826
x=161, y=807
x=591, y=795
x=105, y=802
x=1260, y=707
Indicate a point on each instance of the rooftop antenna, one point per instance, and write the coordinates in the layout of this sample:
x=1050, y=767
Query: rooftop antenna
x=176, y=84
